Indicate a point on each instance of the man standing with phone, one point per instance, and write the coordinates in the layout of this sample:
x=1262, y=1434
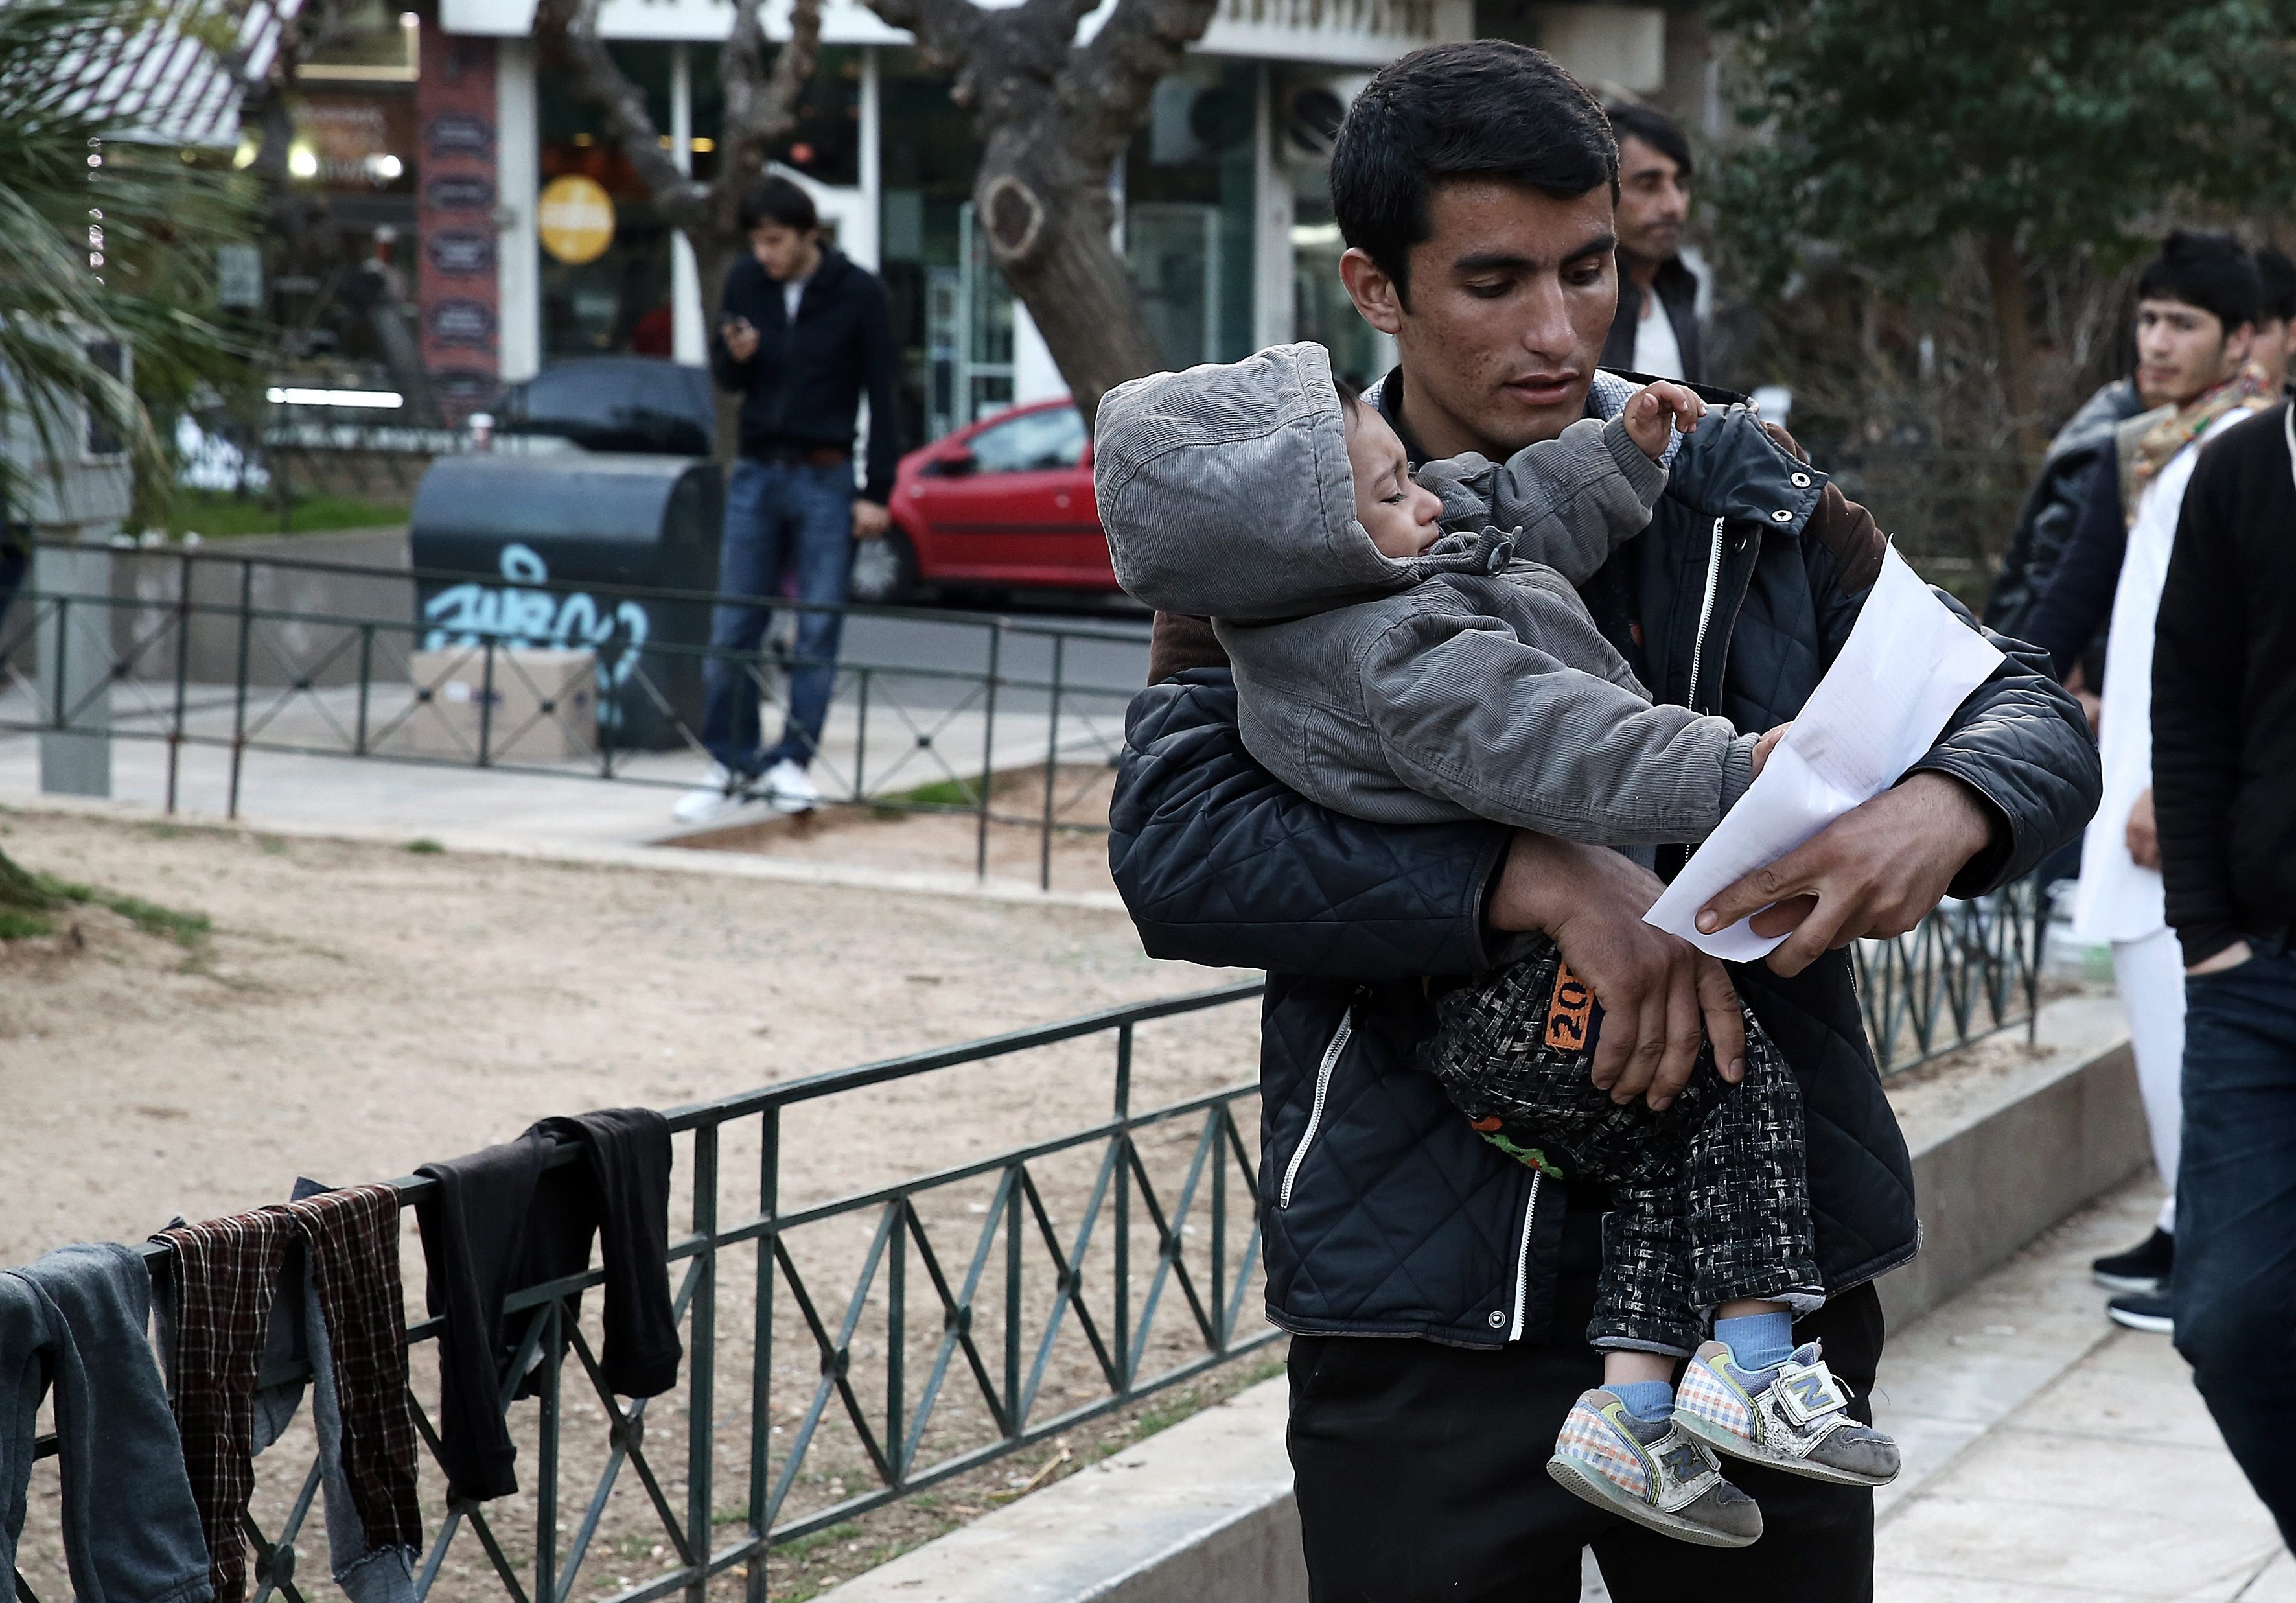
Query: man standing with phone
x=802, y=334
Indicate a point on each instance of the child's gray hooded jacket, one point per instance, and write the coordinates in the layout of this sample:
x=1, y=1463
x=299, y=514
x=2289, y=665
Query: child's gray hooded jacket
x=1469, y=682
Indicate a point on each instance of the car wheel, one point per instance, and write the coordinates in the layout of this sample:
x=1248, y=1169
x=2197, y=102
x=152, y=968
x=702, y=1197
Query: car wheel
x=884, y=570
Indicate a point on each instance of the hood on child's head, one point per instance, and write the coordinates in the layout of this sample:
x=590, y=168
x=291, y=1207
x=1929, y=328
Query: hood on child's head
x=1226, y=493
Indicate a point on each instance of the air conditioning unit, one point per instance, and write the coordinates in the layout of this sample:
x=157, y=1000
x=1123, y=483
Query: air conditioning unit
x=1308, y=110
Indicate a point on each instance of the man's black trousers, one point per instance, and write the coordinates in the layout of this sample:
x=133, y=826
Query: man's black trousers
x=1421, y=1473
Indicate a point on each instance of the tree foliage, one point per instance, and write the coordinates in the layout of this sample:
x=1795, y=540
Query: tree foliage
x=1887, y=134
x=103, y=240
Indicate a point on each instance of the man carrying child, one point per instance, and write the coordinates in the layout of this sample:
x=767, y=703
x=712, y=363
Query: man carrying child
x=1475, y=184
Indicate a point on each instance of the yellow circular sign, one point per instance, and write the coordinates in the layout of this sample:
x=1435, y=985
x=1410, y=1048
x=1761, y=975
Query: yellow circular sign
x=576, y=219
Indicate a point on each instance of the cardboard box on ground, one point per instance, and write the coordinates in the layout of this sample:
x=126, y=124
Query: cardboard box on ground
x=532, y=706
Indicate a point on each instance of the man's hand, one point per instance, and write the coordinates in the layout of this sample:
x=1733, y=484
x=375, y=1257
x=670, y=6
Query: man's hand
x=1875, y=871
x=2143, y=834
x=1653, y=987
x=741, y=336
x=870, y=519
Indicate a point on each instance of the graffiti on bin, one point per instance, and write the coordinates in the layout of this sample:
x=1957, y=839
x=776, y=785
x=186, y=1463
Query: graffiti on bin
x=518, y=618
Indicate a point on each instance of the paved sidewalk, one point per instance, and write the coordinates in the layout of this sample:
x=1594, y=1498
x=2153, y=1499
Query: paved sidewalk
x=2052, y=1454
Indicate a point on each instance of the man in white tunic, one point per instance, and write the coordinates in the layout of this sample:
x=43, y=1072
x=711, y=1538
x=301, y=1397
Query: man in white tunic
x=2197, y=305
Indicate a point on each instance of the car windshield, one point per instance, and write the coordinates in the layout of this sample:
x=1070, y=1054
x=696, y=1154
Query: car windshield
x=1032, y=442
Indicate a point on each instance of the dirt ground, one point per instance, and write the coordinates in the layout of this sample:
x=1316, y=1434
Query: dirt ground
x=358, y=1009
x=951, y=842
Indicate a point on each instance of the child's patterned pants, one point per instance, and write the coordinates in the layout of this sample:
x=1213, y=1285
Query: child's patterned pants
x=1710, y=1196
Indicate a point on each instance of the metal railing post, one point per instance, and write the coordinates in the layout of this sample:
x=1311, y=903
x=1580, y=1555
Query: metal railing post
x=366, y=682
x=988, y=747
x=1052, y=762
x=701, y=1364
x=761, y=1360
x=1121, y=1335
x=238, y=693
x=183, y=674
x=545, y=1453
x=897, y=1311
x=487, y=704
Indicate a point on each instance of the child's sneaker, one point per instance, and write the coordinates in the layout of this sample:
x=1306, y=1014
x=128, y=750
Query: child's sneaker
x=1794, y=1418
x=1667, y=1483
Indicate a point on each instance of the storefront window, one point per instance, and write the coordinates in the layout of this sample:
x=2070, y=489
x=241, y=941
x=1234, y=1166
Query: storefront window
x=605, y=287
x=1321, y=310
x=952, y=315
x=1188, y=212
x=342, y=289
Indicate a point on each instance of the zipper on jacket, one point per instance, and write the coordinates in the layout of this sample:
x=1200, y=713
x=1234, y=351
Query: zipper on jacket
x=1316, y=1113
x=1523, y=1259
x=1705, y=614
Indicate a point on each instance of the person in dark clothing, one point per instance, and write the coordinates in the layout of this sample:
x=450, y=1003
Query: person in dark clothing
x=2053, y=507
x=2275, y=317
x=2223, y=768
x=1655, y=333
x=803, y=334
x=2196, y=311
x=1474, y=183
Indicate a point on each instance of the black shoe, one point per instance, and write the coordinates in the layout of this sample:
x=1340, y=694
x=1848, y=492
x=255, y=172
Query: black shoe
x=2143, y=1311
x=2140, y=1269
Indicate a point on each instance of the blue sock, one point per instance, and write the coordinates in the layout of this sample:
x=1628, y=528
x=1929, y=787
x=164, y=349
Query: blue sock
x=1648, y=1400
x=1759, y=1341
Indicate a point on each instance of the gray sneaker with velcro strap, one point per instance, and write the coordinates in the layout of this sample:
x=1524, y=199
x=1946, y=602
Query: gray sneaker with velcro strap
x=1794, y=1417
x=1668, y=1484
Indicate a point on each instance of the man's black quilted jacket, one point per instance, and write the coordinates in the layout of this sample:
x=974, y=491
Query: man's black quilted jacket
x=1383, y=1212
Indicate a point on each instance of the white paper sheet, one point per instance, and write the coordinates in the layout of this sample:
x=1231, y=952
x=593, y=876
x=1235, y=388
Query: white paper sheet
x=1906, y=665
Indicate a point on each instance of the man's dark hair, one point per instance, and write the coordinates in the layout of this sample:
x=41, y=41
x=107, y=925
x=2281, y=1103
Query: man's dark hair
x=773, y=198
x=2212, y=271
x=2277, y=274
x=1483, y=109
x=1656, y=130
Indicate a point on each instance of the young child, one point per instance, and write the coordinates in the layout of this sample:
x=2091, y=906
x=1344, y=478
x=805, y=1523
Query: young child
x=1415, y=651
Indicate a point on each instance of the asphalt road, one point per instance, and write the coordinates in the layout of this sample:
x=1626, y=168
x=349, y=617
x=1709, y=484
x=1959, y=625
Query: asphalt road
x=1102, y=655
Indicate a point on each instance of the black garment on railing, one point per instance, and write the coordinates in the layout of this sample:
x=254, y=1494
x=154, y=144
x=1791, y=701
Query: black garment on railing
x=498, y=1222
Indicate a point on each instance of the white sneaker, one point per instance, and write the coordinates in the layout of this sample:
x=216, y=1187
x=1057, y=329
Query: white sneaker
x=724, y=792
x=789, y=788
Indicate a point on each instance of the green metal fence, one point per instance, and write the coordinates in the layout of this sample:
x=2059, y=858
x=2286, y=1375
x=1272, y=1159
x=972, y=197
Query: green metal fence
x=186, y=650
x=930, y=1343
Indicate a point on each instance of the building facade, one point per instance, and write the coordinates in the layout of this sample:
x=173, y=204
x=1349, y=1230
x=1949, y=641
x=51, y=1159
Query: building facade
x=481, y=226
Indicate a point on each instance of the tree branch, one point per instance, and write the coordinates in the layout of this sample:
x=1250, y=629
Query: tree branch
x=1104, y=96
x=945, y=30
x=759, y=108
x=570, y=27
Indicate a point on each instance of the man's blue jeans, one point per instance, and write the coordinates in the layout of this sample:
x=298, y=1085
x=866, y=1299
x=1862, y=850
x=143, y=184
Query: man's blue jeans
x=2235, y=1289
x=778, y=516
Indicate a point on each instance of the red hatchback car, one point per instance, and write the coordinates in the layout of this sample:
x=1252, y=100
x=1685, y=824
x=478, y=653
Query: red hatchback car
x=1006, y=503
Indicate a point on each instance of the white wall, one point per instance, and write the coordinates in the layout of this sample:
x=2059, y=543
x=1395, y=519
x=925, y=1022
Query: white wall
x=517, y=171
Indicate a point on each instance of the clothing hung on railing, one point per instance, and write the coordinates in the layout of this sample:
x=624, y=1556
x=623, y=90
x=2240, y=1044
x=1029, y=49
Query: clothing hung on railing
x=217, y=1296
x=78, y=1315
x=501, y=1220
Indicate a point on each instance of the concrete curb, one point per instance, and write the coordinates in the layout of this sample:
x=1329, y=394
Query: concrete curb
x=1200, y=1513
x=672, y=859
x=1995, y=1165
x=1203, y=1512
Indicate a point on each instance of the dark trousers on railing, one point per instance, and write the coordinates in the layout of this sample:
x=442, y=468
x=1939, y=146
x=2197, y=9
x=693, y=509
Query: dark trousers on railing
x=779, y=516
x=2235, y=1290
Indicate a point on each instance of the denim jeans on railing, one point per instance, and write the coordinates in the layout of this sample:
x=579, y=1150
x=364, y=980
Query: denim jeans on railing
x=778, y=516
x=2235, y=1289
x=77, y=1318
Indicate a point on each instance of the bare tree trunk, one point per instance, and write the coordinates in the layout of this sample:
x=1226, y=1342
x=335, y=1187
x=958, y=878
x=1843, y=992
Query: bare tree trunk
x=1049, y=233
x=2012, y=323
x=1056, y=115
